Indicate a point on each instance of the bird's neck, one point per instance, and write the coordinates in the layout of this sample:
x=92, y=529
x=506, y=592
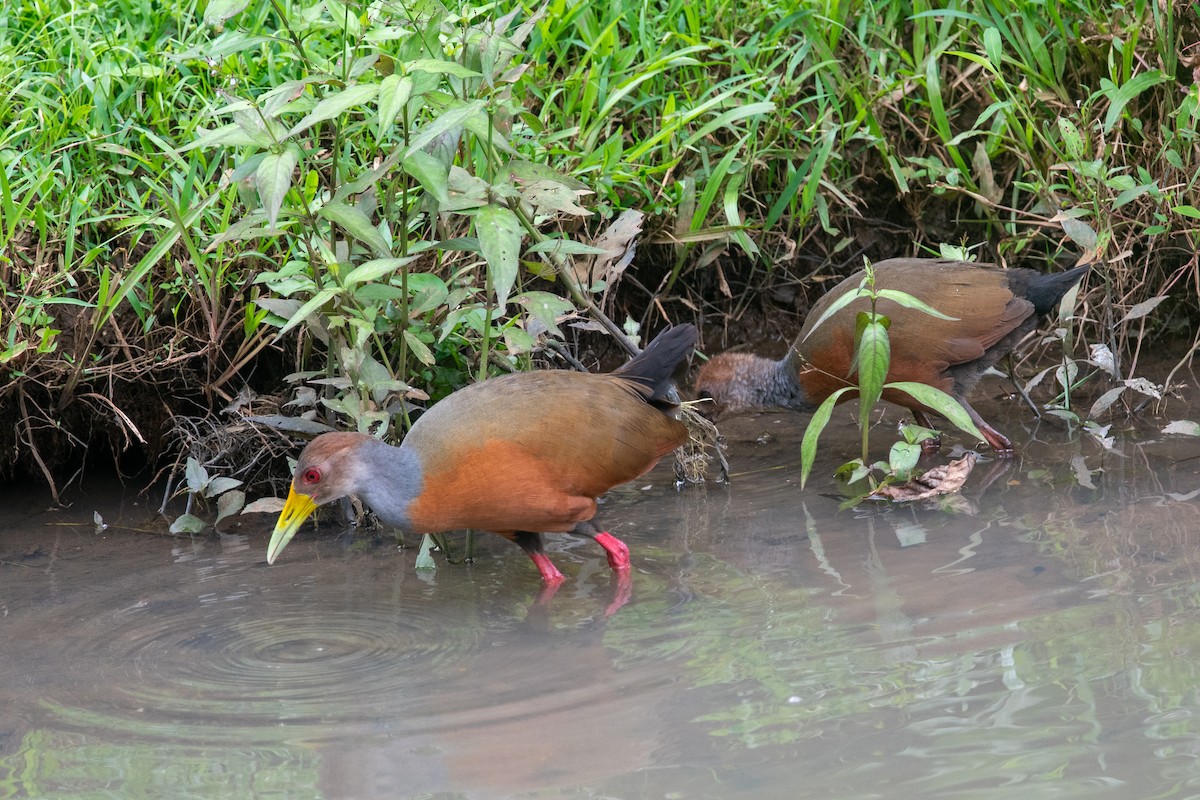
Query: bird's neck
x=391, y=479
x=763, y=383
x=784, y=387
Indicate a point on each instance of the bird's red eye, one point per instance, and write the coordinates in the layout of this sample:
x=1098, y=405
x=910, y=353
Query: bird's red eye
x=312, y=475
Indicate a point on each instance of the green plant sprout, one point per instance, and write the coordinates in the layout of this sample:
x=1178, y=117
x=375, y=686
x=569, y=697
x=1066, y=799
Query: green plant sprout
x=872, y=359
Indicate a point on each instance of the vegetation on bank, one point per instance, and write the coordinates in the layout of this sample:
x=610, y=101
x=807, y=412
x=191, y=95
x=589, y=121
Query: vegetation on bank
x=382, y=201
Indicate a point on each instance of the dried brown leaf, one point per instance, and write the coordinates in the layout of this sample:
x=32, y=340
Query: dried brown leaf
x=942, y=479
x=617, y=241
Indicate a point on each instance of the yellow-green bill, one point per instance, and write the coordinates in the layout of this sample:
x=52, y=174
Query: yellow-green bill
x=298, y=508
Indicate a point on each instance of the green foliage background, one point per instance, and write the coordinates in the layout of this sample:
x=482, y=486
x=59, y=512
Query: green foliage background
x=386, y=200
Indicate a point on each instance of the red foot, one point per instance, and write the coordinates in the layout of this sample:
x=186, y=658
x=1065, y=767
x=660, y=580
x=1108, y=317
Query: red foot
x=618, y=551
x=550, y=574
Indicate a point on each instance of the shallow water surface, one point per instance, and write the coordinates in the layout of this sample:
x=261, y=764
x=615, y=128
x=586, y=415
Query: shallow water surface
x=1036, y=635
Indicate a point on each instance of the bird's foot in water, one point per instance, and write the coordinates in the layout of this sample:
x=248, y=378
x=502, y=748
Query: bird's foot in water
x=550, y=574
x=618, y=551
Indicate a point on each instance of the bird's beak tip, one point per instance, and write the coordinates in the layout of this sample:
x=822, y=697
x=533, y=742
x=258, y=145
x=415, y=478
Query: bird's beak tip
x=298, y=508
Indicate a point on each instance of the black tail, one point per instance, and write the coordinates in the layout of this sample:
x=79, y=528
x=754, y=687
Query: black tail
x=653, y=366
x=1044, y=291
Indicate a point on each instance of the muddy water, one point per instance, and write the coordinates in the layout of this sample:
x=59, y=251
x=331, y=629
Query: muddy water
x=1038, y=635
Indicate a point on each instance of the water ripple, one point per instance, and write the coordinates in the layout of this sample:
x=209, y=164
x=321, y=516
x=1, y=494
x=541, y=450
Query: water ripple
x=188, y=670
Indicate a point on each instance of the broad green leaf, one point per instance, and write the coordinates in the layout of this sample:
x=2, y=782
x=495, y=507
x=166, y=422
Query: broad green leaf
x=220, y=485
x=940, y=402
x=316, y=301
x=275, y=100
x=517, y=341
x=273, y=179
x=1130, y=90
x=853, y=471
x=445, y=121
x=1129, y=195
x=565, y=247
x=1079, y=232
x=419, y=348
x=220, y=10
x=431, y=172
x=1187, y=211
x=836, y=306
x=375, y=269
x=439, y=67
x=357, y=224
x=902, y=458
x=546, y=308
x=196, y=475
x=552, y=196
x=187, y=523
x=992, y=44
x=231, y=135
x=820, y=418
x=1066, y=374
x=499, y=234
x=428, y=292
x=1072, y=139
x=335, y=105
x=908, y=301
x=229, y=503
x=394, y=93
x=873, y=356
x=226, y=44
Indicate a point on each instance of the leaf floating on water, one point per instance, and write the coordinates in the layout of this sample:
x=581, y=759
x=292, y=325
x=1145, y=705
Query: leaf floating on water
x=944, y=479
x=425, y=557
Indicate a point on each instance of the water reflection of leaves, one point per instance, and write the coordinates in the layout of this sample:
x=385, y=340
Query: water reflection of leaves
x=777, y=667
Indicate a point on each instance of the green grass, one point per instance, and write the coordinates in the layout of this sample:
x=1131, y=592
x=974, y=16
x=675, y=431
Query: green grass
x=175, y=193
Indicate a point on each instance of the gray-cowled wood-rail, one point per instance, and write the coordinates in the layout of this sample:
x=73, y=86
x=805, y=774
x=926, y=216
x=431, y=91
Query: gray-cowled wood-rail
x=993, y=309
x=520, y=455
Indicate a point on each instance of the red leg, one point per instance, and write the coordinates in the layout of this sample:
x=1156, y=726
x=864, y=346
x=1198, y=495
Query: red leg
x=618, y=551
x=550, y=573
x=531, y=543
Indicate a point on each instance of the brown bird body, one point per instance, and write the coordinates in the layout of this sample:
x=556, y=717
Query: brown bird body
x=518, y=455
x=992, y=310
